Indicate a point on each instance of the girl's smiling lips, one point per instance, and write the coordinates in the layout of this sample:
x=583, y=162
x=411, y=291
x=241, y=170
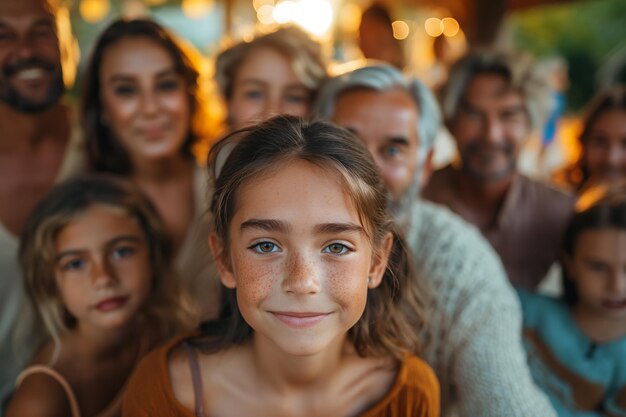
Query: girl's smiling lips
x=299, y=320
x=111, y=303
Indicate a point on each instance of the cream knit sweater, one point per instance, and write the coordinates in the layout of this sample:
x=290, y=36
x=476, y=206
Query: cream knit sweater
x=475, y=318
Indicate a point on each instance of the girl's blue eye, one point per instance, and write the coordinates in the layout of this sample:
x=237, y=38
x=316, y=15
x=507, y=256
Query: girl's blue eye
x=265, y=247
x=336, y=249
x=122, y=252
x=73, y=265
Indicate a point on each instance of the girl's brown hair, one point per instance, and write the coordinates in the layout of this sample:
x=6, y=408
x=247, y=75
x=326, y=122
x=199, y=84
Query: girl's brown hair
x=166, y=308
x=393, y=318
x=600, y=206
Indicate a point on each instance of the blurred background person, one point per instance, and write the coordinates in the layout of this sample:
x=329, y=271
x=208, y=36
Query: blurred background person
x=376, y=39
x=577, y=343
x=491, y=103
x=139, y=110
x=602, y=142
x=39, y=146
x=277, y=73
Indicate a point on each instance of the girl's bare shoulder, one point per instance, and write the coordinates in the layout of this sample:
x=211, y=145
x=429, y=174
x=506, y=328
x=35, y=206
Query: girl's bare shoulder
x=39, y=395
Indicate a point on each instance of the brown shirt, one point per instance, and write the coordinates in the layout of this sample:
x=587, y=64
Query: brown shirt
x=415, y=392
x=529, y=227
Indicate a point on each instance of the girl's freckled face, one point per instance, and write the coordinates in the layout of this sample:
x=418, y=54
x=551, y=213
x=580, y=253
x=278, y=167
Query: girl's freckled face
x=299, y=257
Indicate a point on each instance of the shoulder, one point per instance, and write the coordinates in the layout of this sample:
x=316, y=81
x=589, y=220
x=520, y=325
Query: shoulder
x=420, y=385
x=39, y=395
x=451, y=249
x=549, y=195
x=149, y=385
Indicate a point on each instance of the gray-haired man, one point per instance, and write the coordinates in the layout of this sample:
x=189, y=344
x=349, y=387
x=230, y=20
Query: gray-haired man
x=475, y=343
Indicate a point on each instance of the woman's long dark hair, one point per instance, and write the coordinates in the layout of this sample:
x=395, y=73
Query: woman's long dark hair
x=106, y=154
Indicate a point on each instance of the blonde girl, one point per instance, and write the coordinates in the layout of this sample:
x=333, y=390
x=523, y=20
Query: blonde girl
x=321, y=311
x=97, y=268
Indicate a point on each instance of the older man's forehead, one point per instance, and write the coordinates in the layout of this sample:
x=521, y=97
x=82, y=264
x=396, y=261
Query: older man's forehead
x=26, y=8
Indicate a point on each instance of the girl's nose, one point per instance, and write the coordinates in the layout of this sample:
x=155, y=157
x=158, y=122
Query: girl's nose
x=102, y=274
x=302, y=276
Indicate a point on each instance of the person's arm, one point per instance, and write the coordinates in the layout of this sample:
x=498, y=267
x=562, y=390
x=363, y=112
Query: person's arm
x=490, y=372
x=39, y=395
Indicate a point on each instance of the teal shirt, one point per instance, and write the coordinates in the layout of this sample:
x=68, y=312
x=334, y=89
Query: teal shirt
x=581, y=378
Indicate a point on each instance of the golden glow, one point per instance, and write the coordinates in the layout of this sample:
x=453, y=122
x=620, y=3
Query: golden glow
x=350, y=17
x=450, y=26
x=400, y=29
x=285, y=11
x=314, y=16
x=265, y=14
x=93, y=11
x=196, y=9
x=257, y=4
x=433, y=27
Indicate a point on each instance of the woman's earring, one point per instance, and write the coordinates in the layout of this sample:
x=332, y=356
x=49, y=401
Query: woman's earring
x=369, y=280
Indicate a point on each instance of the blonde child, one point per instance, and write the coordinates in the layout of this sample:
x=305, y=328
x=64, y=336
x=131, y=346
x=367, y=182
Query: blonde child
x=97, y=267
x=320, y=309
x=577, y=345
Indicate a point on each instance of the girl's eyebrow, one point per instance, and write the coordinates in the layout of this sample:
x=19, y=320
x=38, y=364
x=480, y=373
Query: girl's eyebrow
x=269, y=225
x=112, y=242
x=330, y=228
x=272, y=225
x=119, y=77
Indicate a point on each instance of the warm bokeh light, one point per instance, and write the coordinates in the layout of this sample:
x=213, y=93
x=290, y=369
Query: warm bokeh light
x=285, y=11
x=450, y=26
x=196, y=9
x=257, y=4
x=350, y=17
x=134, y=9
x=400, y=29
x=433, y=27
x=314, y=16
x=93, y=11
x=265, y=14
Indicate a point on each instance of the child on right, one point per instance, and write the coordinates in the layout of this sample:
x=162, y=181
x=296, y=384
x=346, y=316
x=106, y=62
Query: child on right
x=577, y=345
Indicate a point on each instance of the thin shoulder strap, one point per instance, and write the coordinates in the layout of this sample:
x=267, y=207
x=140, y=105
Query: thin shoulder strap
x=196, y=379
x=41, y=369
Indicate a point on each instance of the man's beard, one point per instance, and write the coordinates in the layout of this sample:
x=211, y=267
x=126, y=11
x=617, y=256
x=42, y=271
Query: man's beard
x=12, y=97
x=473, y=152
x=401, y=208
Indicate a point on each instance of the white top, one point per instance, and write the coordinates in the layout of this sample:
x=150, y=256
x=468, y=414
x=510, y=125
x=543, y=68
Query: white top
x=476, y=321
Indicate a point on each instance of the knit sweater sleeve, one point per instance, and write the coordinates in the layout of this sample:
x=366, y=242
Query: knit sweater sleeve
x=476, y=322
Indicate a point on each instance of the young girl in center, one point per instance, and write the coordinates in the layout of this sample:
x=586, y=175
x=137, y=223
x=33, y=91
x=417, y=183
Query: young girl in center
x=577, y=345
x=97, y=267
x=321, y=312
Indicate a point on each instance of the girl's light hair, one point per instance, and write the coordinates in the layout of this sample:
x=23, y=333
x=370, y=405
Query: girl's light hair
x=393, y=318
x=303, y=52
x=167, y=309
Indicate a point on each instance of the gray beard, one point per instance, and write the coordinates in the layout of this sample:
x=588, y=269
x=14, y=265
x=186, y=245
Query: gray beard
x=401, y=208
